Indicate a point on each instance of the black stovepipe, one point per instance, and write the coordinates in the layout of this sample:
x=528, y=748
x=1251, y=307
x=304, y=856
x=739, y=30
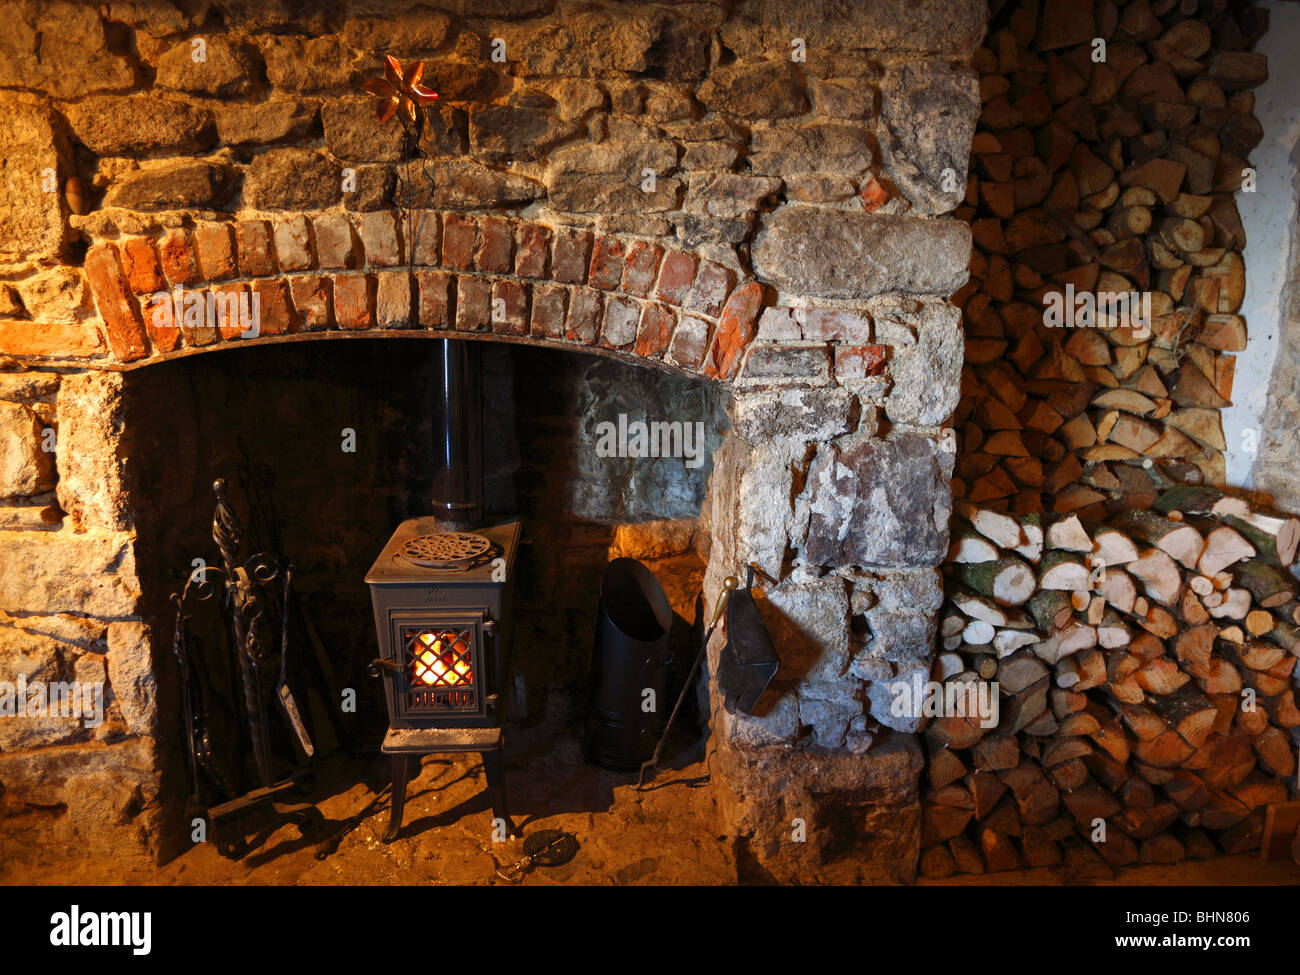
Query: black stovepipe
x=458, y=439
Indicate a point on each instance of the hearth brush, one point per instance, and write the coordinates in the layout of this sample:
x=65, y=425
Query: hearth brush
x=728, y=587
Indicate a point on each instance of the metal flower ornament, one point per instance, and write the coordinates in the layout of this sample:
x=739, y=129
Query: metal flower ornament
x=400, y=93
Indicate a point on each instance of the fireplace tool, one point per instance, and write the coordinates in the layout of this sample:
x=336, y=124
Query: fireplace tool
x=244, y=589
x=746, y=664
x=728, y=587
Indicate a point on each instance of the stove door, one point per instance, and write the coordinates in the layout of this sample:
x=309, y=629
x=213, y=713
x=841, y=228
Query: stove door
x=442, y=678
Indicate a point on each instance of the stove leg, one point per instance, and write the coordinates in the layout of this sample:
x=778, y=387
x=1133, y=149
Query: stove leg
x=494, y=766
x=401, y=769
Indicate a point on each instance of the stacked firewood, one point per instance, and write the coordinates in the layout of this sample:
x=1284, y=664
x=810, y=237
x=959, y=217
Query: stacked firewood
x=1105, y=169
x=1143, y=668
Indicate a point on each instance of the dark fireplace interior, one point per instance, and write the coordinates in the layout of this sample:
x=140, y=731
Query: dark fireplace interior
x=339, y=439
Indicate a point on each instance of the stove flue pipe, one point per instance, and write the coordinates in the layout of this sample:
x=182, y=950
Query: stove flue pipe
x=458, y=440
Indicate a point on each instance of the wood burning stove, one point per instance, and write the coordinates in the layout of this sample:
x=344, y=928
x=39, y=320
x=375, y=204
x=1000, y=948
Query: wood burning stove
x=441, y=595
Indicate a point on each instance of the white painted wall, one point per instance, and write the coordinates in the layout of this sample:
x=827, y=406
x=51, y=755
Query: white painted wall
x=1267, y=216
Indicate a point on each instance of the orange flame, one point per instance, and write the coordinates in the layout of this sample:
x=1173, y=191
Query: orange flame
x=442, y=665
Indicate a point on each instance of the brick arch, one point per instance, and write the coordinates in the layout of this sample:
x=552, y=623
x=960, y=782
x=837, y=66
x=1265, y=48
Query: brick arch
x=473, y=276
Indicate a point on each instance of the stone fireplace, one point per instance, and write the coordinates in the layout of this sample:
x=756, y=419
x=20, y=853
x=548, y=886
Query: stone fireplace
x=737, y=214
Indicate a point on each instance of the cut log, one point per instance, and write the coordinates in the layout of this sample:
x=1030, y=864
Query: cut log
x=1007, y=581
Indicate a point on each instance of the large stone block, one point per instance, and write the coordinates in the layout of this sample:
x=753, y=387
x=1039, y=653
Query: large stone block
x=32, y=222
x=112, y=125
x=851, y=254
x=60, y=48
x=225, y=68
x=91, y=458
x=292, y=179
x=106, y=800
x=755, y=90
x=608, y=177
x=131, y=675
x=826, y=148
x=927, y=374
x=880, y=502
x=24, y=467
x=928, y=114
x=816, y=414
x=891, y=27
x=861, y=813
x=63, y=572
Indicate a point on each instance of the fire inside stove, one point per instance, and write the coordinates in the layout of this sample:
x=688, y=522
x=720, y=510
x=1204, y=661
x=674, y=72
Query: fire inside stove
x=441, y=669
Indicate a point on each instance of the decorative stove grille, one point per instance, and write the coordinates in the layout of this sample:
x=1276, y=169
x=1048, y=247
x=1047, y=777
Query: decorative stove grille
x=439, y=669
x=445, y=550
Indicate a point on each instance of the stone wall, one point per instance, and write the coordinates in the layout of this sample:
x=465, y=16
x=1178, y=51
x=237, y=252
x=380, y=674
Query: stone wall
x=755, y=194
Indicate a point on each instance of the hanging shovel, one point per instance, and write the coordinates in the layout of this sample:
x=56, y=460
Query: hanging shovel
x=748, y=660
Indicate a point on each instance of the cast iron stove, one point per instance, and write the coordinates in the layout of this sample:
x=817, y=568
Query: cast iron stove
x=442, y=605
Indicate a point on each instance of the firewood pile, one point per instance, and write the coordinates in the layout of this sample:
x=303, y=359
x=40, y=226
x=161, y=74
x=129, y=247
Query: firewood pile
x=1141, y=624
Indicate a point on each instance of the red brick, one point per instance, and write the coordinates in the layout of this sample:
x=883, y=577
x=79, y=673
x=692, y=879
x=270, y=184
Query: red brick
x=622, y=315
x=274, y=315
x=873, y=195
x=425, y=232
x=336, y=243
x=572, y=254
x=709, y=292
x=676, y=275
x=40, y=339
x=473, y=304
x=457, y=242
x=533, y=248
x=833, y=325
x=123, y=326
x=858, y=362
x=393, y=299
x=354, y=306
x=162, y=319
x=584, y=314
x=140, y=264
x=690, y=340
x=495, y=252
x=655, y=331
x=736, y=328
x=435, y=298
x=177, y=257
x=312, y=295
x=642, y=265
x=607, y=260
x=293, y=244
x=216, y=251
x=194, y=328
x=549, y=301
x=381, y=239
x=510, y=307
x=253, y=248
x=228, y=310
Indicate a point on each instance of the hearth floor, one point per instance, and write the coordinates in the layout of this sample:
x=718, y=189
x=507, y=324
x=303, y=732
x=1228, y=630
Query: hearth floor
x=664, y=836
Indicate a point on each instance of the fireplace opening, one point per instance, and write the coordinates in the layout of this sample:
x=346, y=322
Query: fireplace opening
x=337, y=443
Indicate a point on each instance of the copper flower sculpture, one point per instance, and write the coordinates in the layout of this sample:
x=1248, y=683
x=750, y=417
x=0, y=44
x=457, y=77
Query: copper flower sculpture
x=400, y=92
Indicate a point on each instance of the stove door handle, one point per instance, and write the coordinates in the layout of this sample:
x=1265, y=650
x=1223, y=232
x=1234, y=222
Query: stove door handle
x=379, y=666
